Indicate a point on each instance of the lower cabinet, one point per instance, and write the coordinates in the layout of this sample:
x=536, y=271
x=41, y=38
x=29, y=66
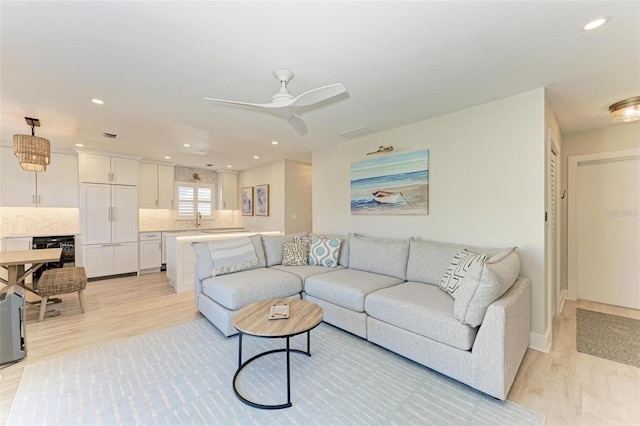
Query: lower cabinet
x=110, y=259
x=150, y=252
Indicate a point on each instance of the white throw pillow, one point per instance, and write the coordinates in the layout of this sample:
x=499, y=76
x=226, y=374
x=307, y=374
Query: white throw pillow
x=484, y=283
x=324, y=252
x=458, y=268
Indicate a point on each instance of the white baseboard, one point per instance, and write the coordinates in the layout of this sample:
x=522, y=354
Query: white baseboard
x=540, y=342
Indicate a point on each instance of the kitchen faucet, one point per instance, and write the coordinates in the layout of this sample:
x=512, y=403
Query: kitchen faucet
x=198, y=219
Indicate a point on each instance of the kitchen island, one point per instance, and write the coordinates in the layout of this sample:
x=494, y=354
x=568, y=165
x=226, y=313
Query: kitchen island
x=181, y=258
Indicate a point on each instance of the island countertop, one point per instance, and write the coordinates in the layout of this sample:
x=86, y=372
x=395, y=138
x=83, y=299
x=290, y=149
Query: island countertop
x=181, y=258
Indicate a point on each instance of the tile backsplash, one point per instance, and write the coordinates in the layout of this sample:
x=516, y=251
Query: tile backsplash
x=39, y=221
x=64, y=221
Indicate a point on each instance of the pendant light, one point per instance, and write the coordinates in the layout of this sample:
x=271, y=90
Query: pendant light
x=32, y=151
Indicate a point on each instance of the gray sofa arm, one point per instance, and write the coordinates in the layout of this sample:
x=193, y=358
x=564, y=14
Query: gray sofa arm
x=502, y=340
x=198, y=285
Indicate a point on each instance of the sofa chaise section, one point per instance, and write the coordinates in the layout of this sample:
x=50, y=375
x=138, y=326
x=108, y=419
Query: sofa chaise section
x=498, y=349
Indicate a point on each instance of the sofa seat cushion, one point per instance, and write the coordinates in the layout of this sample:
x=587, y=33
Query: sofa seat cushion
x=306, y=271
x=422, y=309
x=239, y=289
x=347, y=287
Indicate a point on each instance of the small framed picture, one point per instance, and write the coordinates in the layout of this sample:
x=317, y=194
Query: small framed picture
x=246, y=195
x=262, y=200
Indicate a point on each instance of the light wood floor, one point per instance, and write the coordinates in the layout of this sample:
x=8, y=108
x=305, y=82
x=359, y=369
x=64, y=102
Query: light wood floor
x=568, y=387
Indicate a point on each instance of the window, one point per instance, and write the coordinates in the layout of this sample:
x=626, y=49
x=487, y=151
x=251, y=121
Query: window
x=193, y=198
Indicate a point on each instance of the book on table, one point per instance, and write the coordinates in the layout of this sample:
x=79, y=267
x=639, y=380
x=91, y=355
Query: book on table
x=279, y=311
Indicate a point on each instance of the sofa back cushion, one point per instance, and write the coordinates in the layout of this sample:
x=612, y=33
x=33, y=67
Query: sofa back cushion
x=379, y=255
x=273, y=246
x=429, y=261
x=204, y=261
x=483, y=284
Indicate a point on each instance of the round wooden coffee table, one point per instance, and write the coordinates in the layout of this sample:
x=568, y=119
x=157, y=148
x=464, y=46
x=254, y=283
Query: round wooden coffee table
x=254, y=320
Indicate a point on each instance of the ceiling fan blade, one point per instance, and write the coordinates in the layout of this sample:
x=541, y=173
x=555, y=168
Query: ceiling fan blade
x=297, y=123
x=317, y=95
x=243, y=104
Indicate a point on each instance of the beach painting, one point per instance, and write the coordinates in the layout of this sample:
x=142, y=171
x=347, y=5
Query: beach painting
x=391, y=184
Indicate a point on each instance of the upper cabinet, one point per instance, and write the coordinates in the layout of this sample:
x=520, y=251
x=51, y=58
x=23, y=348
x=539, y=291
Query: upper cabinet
x=155, y=186
x=98, y=168
x=227, y=191
x=55, y=187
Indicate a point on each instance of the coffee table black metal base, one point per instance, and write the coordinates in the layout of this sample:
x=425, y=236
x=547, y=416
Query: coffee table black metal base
x=288, y=351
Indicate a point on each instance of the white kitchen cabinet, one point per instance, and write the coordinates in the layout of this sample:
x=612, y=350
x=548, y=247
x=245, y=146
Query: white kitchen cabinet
x=166, y=177
x=227, y=197
x=110, y=213
x=109, y=224
x=150, y=252
x=98, y=168
x=55, y=187
x=155, y=186
x=110, y=259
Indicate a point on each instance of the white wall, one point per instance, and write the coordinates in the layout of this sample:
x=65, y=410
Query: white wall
x=289, y=194
x=273, y=175
x=486, y=183
x=297, y=216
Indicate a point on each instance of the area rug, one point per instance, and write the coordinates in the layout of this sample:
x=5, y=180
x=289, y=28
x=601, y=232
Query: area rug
x=608, y=336
x=183, y=375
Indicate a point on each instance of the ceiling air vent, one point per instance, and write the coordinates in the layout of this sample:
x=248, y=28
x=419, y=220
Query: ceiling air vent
x=109, y=135
x=360, y=131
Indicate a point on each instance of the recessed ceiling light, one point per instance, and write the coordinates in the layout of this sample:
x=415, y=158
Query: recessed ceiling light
x=186, y=145
x=97, y=101
x=229, y=166
x=594, y=23
x=166, y=157
x=274, y=143
x=256, y=157
x=79, y=145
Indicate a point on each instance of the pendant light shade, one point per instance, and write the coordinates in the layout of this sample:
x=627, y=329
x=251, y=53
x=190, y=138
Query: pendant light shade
x=625, y=111
x=33, y=152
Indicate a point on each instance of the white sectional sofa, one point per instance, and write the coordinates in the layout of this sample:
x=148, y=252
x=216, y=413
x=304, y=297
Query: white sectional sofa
x=388, y=291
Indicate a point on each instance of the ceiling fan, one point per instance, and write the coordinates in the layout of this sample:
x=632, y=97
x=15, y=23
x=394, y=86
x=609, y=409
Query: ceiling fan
x=284, y=105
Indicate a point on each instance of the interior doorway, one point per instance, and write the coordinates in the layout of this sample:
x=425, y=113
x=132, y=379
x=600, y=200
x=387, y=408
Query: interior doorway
x=604, y=228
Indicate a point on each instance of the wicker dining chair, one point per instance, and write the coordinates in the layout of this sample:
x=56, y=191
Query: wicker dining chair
x=54, y=282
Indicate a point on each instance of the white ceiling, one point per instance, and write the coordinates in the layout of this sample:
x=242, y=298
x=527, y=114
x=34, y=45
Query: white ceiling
x=154, y=62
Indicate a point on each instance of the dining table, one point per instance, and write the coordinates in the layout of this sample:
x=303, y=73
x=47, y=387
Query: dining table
x=15, y=263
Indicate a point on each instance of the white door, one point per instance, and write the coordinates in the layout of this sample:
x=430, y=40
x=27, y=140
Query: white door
x=608, y=231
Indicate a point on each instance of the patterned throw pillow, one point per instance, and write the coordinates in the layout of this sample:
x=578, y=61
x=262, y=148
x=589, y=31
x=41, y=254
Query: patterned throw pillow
x=457, y=269
x=295, y=253
x=324, y=252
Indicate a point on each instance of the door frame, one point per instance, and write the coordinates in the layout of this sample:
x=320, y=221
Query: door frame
x=572, y=235
x=552, y=244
